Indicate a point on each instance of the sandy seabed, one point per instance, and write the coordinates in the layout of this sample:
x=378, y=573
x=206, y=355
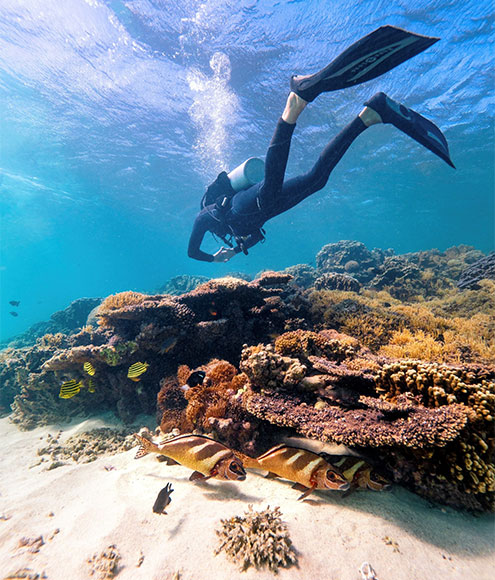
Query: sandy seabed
x=81, y=509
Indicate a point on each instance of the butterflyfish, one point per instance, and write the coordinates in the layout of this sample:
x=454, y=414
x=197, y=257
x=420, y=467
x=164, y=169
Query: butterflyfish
x=89, y=368
x=207, y=457
x=136, y=370
x=69, y=389
x=163, y=499
x=91, y=386
x=308, y=470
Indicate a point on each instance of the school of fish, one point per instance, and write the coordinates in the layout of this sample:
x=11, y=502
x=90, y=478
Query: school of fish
x=307, y=470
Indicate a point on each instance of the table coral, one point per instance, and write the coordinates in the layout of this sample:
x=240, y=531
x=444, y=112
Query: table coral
x=259, y=539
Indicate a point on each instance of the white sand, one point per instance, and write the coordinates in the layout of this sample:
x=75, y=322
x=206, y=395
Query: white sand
x=93, y=507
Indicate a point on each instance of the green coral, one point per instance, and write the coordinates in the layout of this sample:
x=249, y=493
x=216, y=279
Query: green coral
x=113, y=355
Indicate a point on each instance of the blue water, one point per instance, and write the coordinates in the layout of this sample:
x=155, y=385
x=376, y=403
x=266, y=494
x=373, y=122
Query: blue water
x=116, y=114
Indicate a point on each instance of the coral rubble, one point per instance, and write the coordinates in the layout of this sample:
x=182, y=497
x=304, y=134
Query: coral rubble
x=86, y=447
x=106, y=564
x=259, y=539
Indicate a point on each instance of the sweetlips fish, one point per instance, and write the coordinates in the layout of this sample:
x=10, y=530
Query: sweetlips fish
x=207, y=457
x=308, y=470
x=361, y=474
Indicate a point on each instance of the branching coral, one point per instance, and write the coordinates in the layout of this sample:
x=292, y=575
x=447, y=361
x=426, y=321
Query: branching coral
x=461, y=324
x=259, y=539
x=266, y=367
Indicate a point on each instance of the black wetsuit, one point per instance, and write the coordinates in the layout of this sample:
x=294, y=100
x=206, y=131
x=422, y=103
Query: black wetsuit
x=251, y=208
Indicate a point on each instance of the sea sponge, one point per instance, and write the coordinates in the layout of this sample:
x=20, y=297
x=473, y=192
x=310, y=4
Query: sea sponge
x=259, y=539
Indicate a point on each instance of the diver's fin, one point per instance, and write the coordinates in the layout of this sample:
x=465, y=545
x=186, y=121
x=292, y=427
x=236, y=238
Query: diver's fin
x=368, y=58
x=411, y=123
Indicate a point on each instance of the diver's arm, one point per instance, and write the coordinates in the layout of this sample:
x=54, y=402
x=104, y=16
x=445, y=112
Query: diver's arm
x=250, y=241
x=200, y=227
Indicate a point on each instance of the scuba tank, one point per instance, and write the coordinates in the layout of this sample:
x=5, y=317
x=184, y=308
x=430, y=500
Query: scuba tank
x=246, y=174
x=225, y=186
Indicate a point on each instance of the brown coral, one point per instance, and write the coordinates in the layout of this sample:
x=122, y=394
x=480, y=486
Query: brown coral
x=117, y=302
x=304, y=343
x=259, y=539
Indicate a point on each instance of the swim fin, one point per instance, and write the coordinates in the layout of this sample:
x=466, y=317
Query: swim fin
x=373, y=55
x=411, y=123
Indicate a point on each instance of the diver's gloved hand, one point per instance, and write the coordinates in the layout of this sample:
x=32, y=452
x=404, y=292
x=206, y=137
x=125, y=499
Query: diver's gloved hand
x=224, y=254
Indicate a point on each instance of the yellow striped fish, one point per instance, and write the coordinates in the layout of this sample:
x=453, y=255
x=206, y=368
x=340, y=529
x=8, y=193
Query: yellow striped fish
x=89, y=368
x=91, y=386
x=136, y=370
x=207, y=457
x=69, y=389
x=308, y=470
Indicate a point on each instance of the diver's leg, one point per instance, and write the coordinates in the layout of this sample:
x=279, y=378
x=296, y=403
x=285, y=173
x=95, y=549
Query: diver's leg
x=278, y=151
x=299, y=188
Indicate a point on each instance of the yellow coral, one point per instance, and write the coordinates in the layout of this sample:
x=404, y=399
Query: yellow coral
x=117, y=301
x=456, y=327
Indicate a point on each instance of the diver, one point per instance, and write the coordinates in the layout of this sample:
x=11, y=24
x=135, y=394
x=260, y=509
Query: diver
x=237, y=217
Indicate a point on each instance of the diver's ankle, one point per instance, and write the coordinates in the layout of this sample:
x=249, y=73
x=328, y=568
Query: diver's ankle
x=370, y=117
x=293, y=108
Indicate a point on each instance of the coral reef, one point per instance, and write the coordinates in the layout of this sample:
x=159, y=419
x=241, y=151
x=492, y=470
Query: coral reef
x=430, y=424
x=259, y=539
x=348, y=256
x=336, y=281
x=458, y=327
x=106, y=564
x=401, y=277
x=482, y=269
x=182, y=284
x=164, y=331
x=303, y=275
x=212, y=407
x=397, y=364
